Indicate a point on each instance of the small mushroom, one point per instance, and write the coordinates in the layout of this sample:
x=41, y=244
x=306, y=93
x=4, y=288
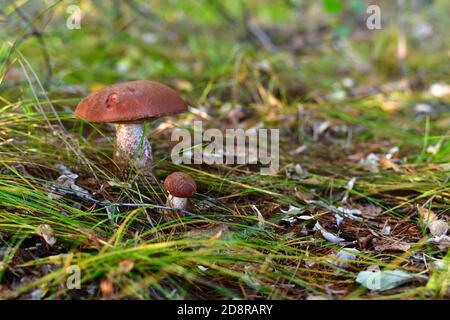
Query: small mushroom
x=129, y=105
x=180, y=186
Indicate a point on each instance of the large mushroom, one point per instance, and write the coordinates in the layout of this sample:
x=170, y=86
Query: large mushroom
x=129, y=105
x=180, y=186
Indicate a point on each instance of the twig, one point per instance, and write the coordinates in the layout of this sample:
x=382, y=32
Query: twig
x=87, y=197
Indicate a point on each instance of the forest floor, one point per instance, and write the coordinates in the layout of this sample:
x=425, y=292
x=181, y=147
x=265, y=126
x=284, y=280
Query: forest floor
x=364, y=164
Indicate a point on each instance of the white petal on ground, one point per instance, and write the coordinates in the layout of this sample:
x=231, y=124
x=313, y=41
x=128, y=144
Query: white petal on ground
x=292, y=210
x=339, y=219
x=344, y=257
x=299, y=150
x=202, y=268
x=349, y=188
x=261, y=220
x=328, y=235
x=353, y=214
x=386, y=230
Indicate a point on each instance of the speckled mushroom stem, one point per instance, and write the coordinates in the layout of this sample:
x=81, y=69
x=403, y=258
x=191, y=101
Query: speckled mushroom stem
x=177, y=203
x=133, y=148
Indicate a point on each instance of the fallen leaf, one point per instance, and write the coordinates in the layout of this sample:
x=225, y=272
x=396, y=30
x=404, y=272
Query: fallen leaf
x=328, y=235
x=339, y=219
x=373, y=161
x=383, y=280
x=46, y=232
x=304, y=196
x=371, y=211
x=291, y=216
x=348, y=212
x=426, y=215
x=366, y=242
x=386, y=230
x=292, y=210
x=388, y=164
x=344, y=257
x=391, y=246
x=438, y=227
x=443, y=242
x=370, y=163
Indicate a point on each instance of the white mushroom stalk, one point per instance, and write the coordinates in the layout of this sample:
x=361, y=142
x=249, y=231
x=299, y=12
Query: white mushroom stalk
x=177, y=203
x=133, y=148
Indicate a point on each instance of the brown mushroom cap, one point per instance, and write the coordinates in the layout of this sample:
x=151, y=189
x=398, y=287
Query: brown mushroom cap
x=130, y=101
x=180, y=184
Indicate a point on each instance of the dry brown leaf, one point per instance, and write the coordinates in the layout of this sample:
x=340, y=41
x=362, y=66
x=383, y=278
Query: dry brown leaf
x=371, y=211
x=126, y=266
x=388, y=164
x=391, y=246
x=304, y=196
x=426, y=216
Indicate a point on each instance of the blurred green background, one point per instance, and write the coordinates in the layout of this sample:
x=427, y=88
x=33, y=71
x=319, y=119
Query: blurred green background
x=191, y=44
